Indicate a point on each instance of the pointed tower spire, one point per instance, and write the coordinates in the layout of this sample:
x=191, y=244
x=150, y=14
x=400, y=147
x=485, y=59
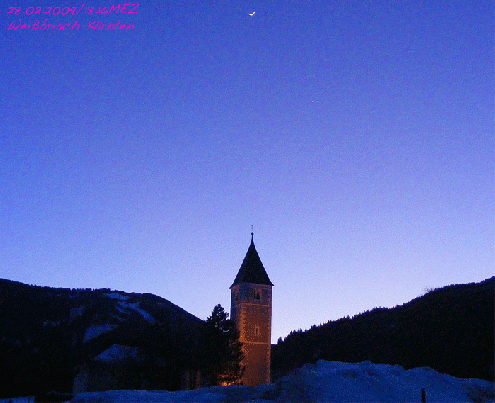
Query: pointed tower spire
x=252, y=270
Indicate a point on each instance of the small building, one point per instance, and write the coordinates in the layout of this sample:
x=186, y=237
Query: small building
x=251, y=310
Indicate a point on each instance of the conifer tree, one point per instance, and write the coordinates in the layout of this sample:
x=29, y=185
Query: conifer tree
x=221, y=350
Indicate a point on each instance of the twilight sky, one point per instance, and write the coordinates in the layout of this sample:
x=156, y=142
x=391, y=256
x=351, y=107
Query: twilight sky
x=356, y=136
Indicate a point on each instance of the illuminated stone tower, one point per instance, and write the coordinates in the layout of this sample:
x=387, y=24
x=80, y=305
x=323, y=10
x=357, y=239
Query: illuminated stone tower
x=251, y=309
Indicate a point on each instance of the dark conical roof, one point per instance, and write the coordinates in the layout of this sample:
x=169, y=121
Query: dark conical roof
x=252, y=270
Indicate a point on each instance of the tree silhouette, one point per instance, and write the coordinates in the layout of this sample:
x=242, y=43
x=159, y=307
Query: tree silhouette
x=221, y=350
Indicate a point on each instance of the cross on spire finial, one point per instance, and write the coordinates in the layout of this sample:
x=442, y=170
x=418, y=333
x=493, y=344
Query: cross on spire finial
x=252, y=233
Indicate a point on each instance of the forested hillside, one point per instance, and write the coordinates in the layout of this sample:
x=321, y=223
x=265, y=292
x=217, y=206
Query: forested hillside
x=48, y=335
x=450, y=329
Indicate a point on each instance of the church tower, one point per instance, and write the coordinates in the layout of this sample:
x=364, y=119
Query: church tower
x=251, y=310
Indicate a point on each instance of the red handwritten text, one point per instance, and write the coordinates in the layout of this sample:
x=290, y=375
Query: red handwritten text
x=126, y=8
x=91, y=25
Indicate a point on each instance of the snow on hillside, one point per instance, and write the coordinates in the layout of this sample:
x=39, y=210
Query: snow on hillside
x=119, y=354
x=135, y=306
x=75, y=312
x=326, y=382
x=116, y=295
x=96, y=330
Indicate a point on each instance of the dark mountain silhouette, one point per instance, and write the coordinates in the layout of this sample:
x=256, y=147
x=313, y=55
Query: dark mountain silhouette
x=48, y=335
x=449, y=329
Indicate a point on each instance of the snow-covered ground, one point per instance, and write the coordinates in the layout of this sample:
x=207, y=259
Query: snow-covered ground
x=328, y=382
x=325, y=382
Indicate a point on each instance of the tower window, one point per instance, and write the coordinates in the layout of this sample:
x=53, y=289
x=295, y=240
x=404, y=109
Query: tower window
x=257, y=294
x=257, y=331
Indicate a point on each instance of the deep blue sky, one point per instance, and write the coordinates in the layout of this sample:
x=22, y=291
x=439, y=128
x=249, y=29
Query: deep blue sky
x=356, y=136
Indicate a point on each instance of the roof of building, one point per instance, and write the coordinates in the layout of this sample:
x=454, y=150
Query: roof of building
x=252, y=270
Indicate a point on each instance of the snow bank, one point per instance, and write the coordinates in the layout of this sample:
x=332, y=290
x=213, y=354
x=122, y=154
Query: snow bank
x=367, y=382
x=133, y=396
x=326, y=382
